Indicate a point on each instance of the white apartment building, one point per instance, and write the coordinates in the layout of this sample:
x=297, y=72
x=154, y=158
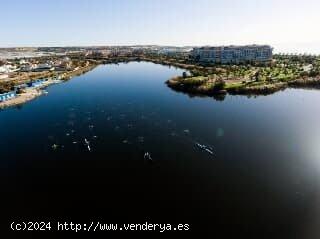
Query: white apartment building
x=233, y=54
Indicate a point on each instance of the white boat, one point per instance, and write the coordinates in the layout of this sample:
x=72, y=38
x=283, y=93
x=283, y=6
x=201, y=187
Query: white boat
x=147, y=156
x=205, y=148
x=87, y=143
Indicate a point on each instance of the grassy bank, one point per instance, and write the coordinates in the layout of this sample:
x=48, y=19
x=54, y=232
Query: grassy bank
x=281, y=73
x=206, y=86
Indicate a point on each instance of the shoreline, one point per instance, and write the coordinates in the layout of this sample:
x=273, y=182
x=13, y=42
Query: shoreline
x=241, y=86
x=262, y=88
x=28, y=95
x=180, y=85
x=34, y=92
x=201, y=85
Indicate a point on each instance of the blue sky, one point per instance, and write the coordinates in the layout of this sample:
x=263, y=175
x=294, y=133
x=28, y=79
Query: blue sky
x=288, y=25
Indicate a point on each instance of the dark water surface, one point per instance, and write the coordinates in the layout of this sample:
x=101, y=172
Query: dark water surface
x=263, y=176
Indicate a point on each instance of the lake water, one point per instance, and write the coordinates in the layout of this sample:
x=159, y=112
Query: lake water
x=263, y=176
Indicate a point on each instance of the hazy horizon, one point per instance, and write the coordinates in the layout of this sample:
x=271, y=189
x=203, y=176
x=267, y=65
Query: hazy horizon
x=288, y=26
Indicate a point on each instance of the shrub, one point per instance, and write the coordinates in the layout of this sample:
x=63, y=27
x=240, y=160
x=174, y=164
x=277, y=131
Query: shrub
x=184, y=74
x=219, y=85
x=314, y=73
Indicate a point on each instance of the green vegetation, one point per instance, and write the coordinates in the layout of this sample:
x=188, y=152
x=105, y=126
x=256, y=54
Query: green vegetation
x=284, y=71
x=205, y=79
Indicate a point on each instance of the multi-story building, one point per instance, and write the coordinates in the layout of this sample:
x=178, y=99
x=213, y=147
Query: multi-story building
x=233, y=54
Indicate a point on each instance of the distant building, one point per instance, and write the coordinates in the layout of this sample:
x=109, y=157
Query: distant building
x=7, y=96
x=233, y=54
x=23, y=62
x=36, y=83
x=43, y=67
x=3, y=76
x=101, y=53
x=20, y=87
x=27, y=67
x=7, y=68
x=63, y=65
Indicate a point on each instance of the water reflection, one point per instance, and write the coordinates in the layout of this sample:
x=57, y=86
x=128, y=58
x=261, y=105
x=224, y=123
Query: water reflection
x=243, y=160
